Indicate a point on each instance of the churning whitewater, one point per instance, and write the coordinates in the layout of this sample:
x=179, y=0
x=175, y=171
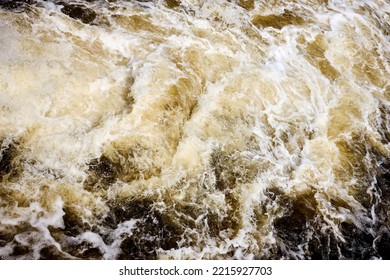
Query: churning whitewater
x=194, y=129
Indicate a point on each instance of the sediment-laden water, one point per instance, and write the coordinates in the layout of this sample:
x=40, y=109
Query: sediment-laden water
x=195, y=129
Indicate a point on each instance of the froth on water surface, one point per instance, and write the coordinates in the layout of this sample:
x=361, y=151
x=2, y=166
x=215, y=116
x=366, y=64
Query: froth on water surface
x=194, y=129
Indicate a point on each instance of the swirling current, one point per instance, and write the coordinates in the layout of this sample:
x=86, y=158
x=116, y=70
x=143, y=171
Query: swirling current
x=194, y=129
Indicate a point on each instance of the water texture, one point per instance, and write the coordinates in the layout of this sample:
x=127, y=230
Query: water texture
x=195, y=129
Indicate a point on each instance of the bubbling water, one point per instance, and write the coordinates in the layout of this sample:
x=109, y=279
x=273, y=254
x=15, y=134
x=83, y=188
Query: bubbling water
x=194, y=129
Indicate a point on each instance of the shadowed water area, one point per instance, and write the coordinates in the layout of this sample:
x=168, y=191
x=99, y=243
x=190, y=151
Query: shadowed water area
x=190, y=129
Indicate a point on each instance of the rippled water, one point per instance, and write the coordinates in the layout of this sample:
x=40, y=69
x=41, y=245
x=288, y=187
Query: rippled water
x=194, y=129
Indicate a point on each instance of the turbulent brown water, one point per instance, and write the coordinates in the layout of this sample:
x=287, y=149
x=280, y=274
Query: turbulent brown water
x=195, y=129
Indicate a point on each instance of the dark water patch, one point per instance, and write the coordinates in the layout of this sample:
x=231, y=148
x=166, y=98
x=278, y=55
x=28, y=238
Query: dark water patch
x=151, y=234
x=300, y=231
x=5, y=238
x=79, y=12
x=6, y=156
x=155, y=229
x=87, y=251
x=384, y=125
x=301, y=228
x=8, y=159
x=246, y=4
x=102, y=173
x=278, y=21
x=73, y=223
x=373, y=190
x=51, y=253
x=383, y=182
x=383, y=245
x=124, y=211
x=16, y=5
x=20, y=250
x=293, y=227
x=358, y=243
x=323, y=246
x=173, y=3
x=369, y=241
